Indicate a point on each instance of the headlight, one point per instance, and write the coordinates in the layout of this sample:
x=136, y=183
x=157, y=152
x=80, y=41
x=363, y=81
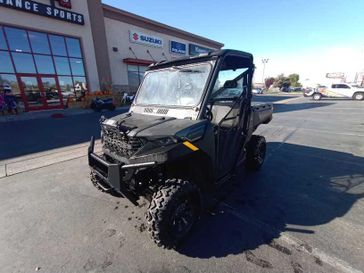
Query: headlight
x=165, y=141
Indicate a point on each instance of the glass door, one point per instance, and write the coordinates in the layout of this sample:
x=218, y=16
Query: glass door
x=52, y=94
x=40, y=92
x=32, y=93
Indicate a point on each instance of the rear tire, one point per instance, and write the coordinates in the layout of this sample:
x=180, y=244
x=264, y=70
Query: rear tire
x=174, y=209
x=255, y=153
x=358, y=96
x=316, y=96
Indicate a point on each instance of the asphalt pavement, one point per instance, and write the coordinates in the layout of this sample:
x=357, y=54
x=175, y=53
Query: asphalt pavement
x=302, y=212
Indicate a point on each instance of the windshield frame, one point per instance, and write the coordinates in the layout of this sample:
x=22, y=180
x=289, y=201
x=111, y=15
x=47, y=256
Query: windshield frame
x=210, y=62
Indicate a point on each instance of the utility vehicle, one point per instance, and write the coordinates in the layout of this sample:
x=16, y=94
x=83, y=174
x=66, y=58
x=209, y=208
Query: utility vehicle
x=188, y=129
x=340, y=90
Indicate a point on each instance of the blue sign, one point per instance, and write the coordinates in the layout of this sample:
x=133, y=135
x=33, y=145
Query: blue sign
x=178, y=48
x=196, y=49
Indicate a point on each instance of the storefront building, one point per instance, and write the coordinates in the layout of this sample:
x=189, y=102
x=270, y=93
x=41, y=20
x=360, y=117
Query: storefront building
x=51, y=50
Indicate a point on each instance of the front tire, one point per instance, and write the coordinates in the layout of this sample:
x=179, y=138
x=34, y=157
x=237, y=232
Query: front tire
x=317, y=96
x=358, y=96
x=255, y=153
x=174, y=209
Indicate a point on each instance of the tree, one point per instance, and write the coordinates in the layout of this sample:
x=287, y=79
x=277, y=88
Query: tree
x=268, y=82
x=294, y=78
x=282, y=82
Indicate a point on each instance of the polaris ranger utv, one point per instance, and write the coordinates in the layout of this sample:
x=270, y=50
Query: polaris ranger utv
x=189, y=127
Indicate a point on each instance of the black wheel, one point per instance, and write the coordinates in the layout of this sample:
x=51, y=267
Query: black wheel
x=255, y=153
x=316, y=96
x=174, y=209
x=358, y=96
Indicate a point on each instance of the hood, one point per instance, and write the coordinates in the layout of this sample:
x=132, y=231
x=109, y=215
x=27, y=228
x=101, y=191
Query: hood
x=139, y=125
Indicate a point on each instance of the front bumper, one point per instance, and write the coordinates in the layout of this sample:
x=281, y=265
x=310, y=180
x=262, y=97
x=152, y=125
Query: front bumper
x=114, y=175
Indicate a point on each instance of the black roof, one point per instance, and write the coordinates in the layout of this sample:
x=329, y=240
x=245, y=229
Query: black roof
x=202, y=57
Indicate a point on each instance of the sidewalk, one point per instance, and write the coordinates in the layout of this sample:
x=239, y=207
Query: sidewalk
x=60, y=113
x=39, y=160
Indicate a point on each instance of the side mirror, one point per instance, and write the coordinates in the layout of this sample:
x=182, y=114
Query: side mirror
x=230, y=84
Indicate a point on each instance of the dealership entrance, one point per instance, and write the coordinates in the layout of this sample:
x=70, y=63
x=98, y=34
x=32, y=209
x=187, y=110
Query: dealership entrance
x=40, y=92
x=41, y=70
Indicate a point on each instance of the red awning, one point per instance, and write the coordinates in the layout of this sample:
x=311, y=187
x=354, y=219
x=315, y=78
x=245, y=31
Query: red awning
x=138, y=61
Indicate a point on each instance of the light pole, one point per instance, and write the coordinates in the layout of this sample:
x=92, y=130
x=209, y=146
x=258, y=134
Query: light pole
x=264, y=61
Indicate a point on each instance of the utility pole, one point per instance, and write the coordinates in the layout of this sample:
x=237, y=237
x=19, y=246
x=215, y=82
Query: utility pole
x=264, y=61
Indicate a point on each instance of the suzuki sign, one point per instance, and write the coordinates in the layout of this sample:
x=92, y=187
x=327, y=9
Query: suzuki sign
x=145, y=39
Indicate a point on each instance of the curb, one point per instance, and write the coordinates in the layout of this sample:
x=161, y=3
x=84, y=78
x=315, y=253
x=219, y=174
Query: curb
x=48, y=114
x=36, y=161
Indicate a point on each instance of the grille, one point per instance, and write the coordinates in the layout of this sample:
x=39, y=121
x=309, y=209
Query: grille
x=159, y=111
x=148, y=110
x=162, y=111
x=119, y=144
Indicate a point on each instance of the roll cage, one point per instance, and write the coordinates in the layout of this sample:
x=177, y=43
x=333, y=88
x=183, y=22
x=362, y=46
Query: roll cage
x=224, y=59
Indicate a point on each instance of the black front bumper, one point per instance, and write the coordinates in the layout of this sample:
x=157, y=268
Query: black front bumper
x=114, y=175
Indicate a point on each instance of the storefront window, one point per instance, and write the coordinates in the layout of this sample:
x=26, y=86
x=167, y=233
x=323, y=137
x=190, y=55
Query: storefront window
x=77, y=67
x=135, y=74
x=142, y=70
x=66, y=85
x=74, y=48
x=8, y=81
x=18, y=39
x=58, y=45
x=39, y=42
x=44, y=64
x=80, y=82
x=133, y=77
x=41, y=62
x=80, y=86
x=5, y=62
x=23, y=63
x=2, y=40
x=62, y=66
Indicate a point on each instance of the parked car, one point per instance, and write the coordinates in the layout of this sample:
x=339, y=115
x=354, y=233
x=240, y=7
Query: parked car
x=340, y=90
x=308, y=92
x=295, y=89
x=257, y=91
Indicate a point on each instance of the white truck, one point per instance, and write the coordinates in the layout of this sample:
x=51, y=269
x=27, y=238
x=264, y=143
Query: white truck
x=340, y=90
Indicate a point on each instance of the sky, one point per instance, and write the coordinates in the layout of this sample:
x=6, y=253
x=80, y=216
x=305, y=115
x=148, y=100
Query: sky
x=308, y=37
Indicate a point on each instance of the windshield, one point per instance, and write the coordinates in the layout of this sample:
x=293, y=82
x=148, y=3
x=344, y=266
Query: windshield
x=175, y=86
